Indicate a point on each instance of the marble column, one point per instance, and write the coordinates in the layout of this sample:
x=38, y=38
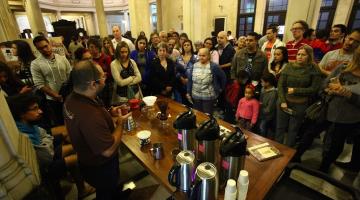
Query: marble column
x=101, y=18
x=9, y=29
x=139, y=17
x=159, y=15
x=35, y=17
x=127, y=23
x=343, y=12
x=196, y=19
x=58, y=15
x=96, y=22
x=260, y=16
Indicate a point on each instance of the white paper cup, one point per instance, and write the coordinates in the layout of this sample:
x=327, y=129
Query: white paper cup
x=144, y=137
x=244, y=177
x=231, y=186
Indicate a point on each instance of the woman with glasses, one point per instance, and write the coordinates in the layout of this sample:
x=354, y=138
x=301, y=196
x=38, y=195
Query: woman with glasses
x=143, y=58
x=208, y=43
x=126, y=75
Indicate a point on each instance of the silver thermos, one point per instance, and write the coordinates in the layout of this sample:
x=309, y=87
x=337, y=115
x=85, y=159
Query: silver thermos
x=233, y=154
x=206, y=183
x=207, y=136
x=180, y=175
x=185, y=123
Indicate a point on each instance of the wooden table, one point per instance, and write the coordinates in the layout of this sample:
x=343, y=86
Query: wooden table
x=262, y=175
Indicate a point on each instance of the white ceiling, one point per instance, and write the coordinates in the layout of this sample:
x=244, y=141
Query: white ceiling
x=75, y=5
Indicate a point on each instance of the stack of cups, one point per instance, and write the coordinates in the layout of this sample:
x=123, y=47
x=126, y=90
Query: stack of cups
x=243, y=184
x=230, y=190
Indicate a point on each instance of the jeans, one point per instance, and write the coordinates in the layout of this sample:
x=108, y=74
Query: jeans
x=104, y=178
x=334, y=143
x=205, y=106
x=267, y=128
x=311, y=131
x=289, y=123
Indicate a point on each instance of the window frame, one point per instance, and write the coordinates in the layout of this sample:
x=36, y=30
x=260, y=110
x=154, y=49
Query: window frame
x=355, y=8
x=331, y=9
x=268, y=13
x=244, y=15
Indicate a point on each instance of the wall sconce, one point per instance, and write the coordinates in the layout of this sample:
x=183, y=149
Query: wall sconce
x=180, y=17
x=221, y=7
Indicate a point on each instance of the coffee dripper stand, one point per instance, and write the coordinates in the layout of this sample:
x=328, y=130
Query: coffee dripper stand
x=163, y=114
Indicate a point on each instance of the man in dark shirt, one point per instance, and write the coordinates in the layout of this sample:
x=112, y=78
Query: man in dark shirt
x=226, y=52
x=92, y=131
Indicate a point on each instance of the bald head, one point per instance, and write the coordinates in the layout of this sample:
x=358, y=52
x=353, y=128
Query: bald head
x=222, y=38
x=83, y=73
x=116, y=32
x=204, y=55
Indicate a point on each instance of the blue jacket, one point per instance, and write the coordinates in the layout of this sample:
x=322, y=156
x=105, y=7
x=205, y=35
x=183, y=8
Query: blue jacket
x=219, y=79
x=181, y=69
x=149, y=56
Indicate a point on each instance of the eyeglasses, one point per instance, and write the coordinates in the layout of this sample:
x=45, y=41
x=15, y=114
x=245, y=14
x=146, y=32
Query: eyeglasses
x=97, y=81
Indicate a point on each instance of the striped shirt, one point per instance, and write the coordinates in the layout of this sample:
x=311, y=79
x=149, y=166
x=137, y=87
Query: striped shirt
x=293, y=46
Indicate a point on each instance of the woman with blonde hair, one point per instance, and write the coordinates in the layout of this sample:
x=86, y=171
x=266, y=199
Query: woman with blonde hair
x=298, y=82
x=240, y=44
x=126, y=75
x=343, y=114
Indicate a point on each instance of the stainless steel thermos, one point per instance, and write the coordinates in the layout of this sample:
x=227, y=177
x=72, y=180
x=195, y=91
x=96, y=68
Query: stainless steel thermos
x=206, y=182
x=185, y=123
x=180, y=175
x=233, y=153
x=207, y=136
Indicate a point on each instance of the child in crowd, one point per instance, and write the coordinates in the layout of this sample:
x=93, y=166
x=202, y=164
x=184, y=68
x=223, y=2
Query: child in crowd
x=268, y=97
x=248, y=109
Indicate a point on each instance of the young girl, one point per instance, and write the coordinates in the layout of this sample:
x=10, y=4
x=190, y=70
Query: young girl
x=268, y=98
x=248, y=109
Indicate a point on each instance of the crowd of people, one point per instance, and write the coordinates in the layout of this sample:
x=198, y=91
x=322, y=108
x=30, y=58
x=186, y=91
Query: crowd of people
x=260, y=83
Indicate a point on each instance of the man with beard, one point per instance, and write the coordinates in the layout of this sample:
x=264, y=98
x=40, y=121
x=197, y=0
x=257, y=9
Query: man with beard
x=92, y=131
x=54, y=156
x=333, y=59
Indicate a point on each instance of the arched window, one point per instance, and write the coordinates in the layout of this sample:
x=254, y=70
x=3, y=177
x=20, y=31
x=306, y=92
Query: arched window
x=354, y=21
x=246, y=17
x=326, y=16
x=275, y=13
